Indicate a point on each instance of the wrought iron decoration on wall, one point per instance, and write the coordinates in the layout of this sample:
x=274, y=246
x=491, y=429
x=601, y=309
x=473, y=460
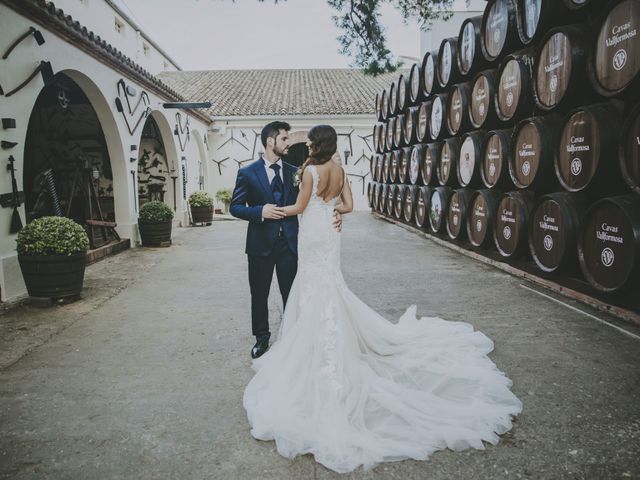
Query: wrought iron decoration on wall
x=180, y=130
x=231, y=140
x=220, y=164
x=125, y=92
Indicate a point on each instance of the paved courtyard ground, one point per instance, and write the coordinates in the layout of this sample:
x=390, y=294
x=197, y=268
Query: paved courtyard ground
x=143, y=378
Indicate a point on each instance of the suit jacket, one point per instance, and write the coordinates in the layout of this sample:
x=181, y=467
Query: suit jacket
x=251, y=193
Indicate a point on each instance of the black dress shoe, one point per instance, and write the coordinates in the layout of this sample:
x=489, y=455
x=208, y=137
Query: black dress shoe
x=261, y=346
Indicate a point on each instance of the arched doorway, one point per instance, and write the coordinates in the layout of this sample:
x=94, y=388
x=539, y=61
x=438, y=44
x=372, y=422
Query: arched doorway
x=67, y=168
x=203, y=171
x=298, y=153
x=154, y=171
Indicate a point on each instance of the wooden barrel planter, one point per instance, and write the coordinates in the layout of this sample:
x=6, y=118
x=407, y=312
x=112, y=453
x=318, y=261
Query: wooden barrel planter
x=430, y=165
x=514, y=95
x=536, y=17
x=415, y=84
x=469, y=51
x=403, y=94
x=615, y=62
x=403, y=164
x=583, y=161
x=470, y=159
x=398, y=132
x=410, y=126
x=482, y=106
x=482, y=208
x=499, y=34
x=553, y=231
x=560, y=69
x=496, y=157
x=457, y=213
x=415, y=164
x=155, y=234
x=609, y=244
x=429, y=81
x=630, y=150
x=53, y=276
x=422, y=128
x=421, y=209
x=438, y=117
x=390, y=134
x=458, y=109
x=511, y=223
x=448, y=72
x=394, y=164
x=398, y=201
x=448, y=162
x=438, y=206
x=410, y=196
x=202, y=215
x=533, y=147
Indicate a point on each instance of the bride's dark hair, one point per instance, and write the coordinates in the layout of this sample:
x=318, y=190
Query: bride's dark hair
x=324, y=143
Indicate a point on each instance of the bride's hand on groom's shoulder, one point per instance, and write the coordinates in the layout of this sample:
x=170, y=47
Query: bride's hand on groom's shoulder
x=337, y=221
x=272, y=212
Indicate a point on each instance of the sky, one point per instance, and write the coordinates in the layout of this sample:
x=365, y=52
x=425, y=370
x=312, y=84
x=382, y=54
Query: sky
x=247, y=34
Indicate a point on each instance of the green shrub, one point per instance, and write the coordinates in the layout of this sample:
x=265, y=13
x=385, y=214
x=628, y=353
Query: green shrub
x=224, y=195
x=52, y=236
x=200, y=199
x=155, y=212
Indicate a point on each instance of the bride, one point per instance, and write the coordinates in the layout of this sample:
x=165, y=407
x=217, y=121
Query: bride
x=346, y=385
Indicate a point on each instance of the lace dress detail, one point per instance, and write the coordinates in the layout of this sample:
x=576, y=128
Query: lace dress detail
x=346, y=385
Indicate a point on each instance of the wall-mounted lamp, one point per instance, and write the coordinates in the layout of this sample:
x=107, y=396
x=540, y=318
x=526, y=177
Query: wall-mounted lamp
x=32, y=31
x=47, y=77
x=8, y=123
x=347, y=153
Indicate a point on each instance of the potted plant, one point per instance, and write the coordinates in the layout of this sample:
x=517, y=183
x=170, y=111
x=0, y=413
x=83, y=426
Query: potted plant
x=224, y=195
x=154, y=223
x=52, y=253
x=201, y=205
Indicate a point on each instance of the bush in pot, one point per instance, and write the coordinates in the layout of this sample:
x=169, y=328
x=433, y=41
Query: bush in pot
x=52, y=253
x=224, y=195
x=201, y=205
x=154, y=223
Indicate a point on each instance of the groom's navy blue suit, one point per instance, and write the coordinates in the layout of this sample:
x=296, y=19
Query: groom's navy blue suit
x=270, y=243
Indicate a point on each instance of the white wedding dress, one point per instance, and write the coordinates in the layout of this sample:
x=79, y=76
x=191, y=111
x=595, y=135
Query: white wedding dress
x=346, y=385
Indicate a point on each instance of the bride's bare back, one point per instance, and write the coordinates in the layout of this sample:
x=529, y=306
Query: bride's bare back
x=331, y=180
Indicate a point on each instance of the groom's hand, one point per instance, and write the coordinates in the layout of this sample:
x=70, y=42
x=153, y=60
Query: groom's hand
x=337, y=221
x=272, y=212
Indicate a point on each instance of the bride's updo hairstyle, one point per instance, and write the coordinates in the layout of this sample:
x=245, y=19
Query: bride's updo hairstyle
x=324, y=143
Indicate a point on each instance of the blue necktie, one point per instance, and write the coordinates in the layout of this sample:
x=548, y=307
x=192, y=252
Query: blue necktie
x=277, y=187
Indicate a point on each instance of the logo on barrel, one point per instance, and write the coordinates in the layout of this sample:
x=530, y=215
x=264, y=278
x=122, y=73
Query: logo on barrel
x=607, y=257
x=481, y=109
x=576, y=166
x=479, y=225
x=547, y=243
x=509, y=99
x=455, y=220
x=526, y=168
x=492, y=169
x=506, y=232
x=620, y=59
x=553, y=85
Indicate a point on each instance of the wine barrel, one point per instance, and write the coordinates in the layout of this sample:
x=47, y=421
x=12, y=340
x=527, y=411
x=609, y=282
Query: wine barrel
x=390, y=205
x=390, y=134
x=378, y=106
x=615, y=63
x=438, y=117
x=533, y=146
x=536, y=17
x=408, y=202
x=468, y=51
x=403, y=164
x=429, y=81
x=381, y=195
x=438, y=207
x=410, y=126
x=482, y=107
x=514, y=96
x=378, y=137
x=370, y=190
x=470, y=158
x=499, y=34
x=430, y=165
x=372, y=166
x=511, y=223
x=398, y=199
x=482, y=208
x=553, y=231
x=609, y=244
x=458, y=109
x=403, y=93
x=415, y=84
x=384, y=105
x=584, y=158
x=398, y=131
x=384, y=174
x=394, y=163
x=421, y=209
x=415, y=164
x=393, y=99
x=422, y=128
x=496, y=156
x=448, y=72
x=457, y=213
x=560, y=68
x=630, y=150
x=448, y=162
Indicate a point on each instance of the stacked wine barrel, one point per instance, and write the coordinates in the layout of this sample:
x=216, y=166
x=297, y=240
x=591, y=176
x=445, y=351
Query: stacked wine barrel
x=520, y=138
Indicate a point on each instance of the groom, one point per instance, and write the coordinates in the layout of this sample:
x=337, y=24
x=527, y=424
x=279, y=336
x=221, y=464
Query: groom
x=262, y=189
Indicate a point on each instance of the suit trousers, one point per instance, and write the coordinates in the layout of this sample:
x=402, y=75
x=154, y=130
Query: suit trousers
x=260, y=277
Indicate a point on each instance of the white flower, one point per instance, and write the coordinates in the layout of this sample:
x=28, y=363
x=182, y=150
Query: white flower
x=295, y=180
